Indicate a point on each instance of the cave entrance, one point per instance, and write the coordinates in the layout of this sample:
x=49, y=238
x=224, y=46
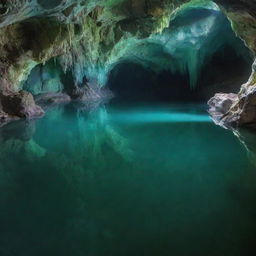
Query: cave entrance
x=197, y=56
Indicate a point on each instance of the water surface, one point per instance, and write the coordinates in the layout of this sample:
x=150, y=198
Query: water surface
x=125, y=181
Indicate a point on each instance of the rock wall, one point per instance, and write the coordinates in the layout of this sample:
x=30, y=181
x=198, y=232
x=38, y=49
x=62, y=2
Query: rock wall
x=81, y=35
x=82, y=32
x=237, y=111
x=85, y=36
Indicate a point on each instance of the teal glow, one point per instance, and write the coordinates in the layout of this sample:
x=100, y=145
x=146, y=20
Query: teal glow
x=196, y=31
x=124, y=182
x=191, y=39
x=110, y=181
x=160, y=117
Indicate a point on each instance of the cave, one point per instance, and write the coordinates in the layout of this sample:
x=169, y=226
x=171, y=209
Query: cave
x=225, y=71
x=221, y=65
x=127, y=127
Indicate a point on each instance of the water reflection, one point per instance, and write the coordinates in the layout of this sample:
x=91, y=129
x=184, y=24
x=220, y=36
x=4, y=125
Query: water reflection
x=248, y=140
x=102, y=181
x=48, y=169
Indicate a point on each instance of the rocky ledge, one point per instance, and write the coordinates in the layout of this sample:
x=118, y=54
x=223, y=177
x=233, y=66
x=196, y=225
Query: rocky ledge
x=23, y=105
x=84, y=36
x=16, y=105
x=219, y=106
x=236, y=110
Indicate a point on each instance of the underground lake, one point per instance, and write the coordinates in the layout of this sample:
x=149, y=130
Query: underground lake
x=125, y=181
x=127, y=128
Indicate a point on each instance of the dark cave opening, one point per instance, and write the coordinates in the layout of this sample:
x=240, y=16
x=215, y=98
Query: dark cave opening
x=224, y=67
x=225, y=72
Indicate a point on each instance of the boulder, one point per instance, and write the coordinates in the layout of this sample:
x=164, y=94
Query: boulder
x=220, y=104
x=20, y=104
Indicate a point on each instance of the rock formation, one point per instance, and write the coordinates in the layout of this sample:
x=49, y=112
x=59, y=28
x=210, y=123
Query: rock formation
x=82, y=39
x=239, y=111
x=79, y=35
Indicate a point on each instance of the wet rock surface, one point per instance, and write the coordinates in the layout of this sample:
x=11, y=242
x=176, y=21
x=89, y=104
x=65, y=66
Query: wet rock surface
x=20, y=105
x=239, y=110
x=234, y=111
x=242, y=113
x=219, y=106
x=87, y=35
x=82, y=34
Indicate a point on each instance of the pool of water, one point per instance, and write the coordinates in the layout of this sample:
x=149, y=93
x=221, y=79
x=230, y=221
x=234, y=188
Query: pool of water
x=114, y=181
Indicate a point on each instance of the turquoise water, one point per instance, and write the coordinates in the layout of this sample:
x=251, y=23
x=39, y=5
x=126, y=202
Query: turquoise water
x=125, y=181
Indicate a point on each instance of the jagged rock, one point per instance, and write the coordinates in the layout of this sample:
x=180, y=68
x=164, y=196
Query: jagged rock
x=220, y=105
x=20, y=104
x=86, y=35
x=231, y=110
x=246, y=108
x=82, y=34
x=242, y=111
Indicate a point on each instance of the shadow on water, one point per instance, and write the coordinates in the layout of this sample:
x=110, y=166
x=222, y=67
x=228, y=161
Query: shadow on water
x=141, y=181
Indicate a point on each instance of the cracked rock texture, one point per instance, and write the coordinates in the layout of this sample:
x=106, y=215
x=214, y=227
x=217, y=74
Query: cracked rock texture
x=79, y=34
x=242, y=111
x=20, y=104
x=82, y=36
